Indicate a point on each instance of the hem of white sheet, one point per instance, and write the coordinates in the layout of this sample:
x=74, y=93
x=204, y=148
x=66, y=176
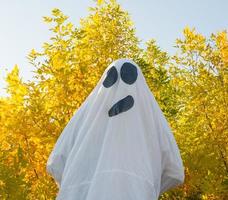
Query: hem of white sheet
x=110, y=171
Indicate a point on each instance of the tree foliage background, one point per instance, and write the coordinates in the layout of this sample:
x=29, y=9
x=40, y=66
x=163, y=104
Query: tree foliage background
x=191, y=88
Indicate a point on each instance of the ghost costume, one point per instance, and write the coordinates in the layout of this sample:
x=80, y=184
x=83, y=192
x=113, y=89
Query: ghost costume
x=118, y=145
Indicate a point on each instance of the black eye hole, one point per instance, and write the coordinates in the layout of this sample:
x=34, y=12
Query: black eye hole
x=128, y=73
x=111, y=77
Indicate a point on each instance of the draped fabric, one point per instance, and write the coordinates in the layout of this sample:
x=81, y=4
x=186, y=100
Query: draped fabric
x=118, y=145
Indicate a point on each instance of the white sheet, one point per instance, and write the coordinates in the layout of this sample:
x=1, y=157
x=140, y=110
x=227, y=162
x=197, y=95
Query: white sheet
x=129, y=156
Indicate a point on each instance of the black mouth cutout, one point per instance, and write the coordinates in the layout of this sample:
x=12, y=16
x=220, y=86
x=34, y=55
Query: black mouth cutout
x=122, y=105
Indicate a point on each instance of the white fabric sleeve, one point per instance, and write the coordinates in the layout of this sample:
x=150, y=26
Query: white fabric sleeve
x=171, y=162
x=57, y=158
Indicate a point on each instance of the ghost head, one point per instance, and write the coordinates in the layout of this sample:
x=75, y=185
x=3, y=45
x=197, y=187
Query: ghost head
x=118, y=145
x=121, y=84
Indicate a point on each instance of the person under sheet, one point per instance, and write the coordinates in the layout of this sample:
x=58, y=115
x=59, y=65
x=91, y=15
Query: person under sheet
x=118, y=145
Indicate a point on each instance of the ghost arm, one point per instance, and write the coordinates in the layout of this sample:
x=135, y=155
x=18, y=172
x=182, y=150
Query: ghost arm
x=171, y=162
x=173, y=170
x=57, y=159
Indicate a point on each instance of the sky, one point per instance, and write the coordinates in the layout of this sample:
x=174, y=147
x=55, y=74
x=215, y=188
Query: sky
x=22, y=27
